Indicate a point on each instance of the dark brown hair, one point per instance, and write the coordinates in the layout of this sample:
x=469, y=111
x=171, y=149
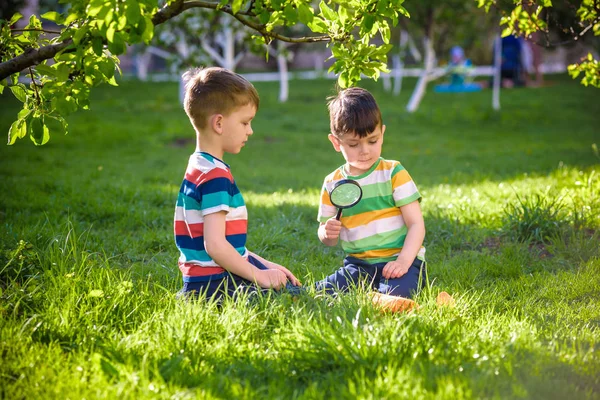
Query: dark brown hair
x=353, y=110
x=215, y=90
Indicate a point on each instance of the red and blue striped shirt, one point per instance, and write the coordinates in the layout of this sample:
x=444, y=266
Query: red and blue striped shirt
x=208, y=187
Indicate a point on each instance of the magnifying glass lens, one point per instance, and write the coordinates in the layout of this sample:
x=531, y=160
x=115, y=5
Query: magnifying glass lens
x=345, y=195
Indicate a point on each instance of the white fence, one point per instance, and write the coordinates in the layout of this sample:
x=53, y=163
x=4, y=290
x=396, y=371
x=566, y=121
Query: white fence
x=482, y=70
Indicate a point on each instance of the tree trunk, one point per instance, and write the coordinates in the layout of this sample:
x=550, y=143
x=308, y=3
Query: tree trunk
x=398, y=70
x=419, y=91
x=283, y=72
x=497, y=77
x=142, y=64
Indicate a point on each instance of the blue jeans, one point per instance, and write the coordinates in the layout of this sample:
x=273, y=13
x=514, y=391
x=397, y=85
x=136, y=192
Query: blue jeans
x=355, y=271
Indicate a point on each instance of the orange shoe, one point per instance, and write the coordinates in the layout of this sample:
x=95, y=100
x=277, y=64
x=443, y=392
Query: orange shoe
x=385, y=302
x=444, y=299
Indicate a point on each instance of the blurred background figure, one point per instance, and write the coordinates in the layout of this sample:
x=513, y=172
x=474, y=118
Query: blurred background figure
x=460, y=74
x=511, y=66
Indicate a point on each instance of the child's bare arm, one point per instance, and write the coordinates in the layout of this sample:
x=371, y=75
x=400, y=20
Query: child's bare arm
x=224, y=254
x=413, y=218
x=329, y=232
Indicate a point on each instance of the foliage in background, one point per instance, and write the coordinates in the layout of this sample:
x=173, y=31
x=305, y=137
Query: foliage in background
x=92, y=33
x=575, y=23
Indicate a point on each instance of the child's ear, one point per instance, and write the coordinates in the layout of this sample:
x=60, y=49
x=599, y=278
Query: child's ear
x=382, y=131
x=335, y=142
x=216, y=123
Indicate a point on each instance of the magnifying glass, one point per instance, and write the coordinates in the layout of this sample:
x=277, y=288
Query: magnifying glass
x=345, y=194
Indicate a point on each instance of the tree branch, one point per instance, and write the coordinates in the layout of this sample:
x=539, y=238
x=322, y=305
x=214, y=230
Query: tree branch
x=262, y=29
x=274, y=35
x=215, y=6
x=36, y=30
x=167, y=12
x=33, y=57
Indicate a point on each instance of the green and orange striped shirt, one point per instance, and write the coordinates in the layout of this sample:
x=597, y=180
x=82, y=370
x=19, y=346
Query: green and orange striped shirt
x=373, y=230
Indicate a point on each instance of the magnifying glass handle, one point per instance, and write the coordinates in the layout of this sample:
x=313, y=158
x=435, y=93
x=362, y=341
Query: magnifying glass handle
x=339, y=214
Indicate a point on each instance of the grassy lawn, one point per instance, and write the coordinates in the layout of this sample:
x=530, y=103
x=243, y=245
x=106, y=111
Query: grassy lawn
x=88, y=265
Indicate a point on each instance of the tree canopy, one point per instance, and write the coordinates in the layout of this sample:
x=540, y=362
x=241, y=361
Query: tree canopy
x=554, y=24
x=64, y=63
x=75, y=50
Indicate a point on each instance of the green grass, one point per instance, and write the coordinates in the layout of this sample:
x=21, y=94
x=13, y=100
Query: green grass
x=88, y=266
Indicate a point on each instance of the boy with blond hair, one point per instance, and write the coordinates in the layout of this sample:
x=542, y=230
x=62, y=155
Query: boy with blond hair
x=382, y=236
x=210, y=216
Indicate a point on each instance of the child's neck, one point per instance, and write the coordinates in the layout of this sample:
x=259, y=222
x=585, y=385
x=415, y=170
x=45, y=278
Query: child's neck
x=206, y=144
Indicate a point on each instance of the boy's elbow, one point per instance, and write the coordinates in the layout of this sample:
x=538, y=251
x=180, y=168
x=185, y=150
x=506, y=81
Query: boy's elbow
x=212, y=246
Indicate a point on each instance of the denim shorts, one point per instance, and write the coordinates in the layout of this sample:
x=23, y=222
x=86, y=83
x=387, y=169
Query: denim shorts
x=356, y=272
x=231, y=285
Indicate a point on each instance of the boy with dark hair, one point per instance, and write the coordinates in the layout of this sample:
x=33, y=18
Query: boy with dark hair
x=383, y=234
x=210, y=216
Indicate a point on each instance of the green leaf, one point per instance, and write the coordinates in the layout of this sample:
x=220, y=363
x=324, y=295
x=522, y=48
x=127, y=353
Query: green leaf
x=55, y=125
x=38, y=131
x=80, y=33
x=133, y=12
x=317, y=25
x=24, y=113
x=236, y=6
x=44, y=69
x=64, y=105
x=15, y=18
x=110, y=33
x=53, y=16
x=20, y=92
x=386, y=33
x=305, y=13
x=291, y=14
x=344, y=14
x=122, y=22
x=17, y=130
x=107, y=67
x=108, y=18
x=343, y=80
x=327, y=12
x=63, y=70
x=97, y=45
x=264, y=17
x=148, y=30
x=72, y=18
x=367, y=23
x=94, y=8
x=34, y=22
x=118, y=45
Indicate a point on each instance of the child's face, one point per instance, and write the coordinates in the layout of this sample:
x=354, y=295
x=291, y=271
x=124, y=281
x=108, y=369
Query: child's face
x=237, y=128
x=360, y=153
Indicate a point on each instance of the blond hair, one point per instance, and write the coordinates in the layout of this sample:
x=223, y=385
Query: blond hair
x=214, y=90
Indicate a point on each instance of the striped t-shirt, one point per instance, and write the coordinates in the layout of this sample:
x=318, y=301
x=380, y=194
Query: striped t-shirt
x=208, y=187
x=373, y=229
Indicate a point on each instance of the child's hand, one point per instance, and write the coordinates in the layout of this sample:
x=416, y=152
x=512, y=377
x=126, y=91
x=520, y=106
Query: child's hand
x=271, y=279
x=288, y=274
x=395, y=269
x=331, y=229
